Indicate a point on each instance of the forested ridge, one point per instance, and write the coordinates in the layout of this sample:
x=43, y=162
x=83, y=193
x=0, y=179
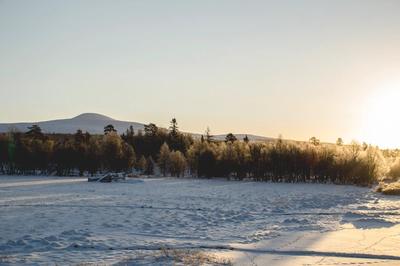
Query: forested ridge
x=170, y=152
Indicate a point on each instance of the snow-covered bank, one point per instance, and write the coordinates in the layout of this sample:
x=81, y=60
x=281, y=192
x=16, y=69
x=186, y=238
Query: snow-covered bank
x=348, y=246
x=73, y=222
x=41, y=182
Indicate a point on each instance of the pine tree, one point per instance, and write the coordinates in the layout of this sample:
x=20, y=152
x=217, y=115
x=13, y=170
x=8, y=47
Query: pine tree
x=314, y=141
x=230, y=138
x=209, y=137
x=109, y=129
x=149, y=166
x=246, y=139
x=35, y=131
x=206, y=163
x=130, y=132
x=79, y=137
x=94, y=156
x=174, y=128
x=4, y=156
x=150, y=130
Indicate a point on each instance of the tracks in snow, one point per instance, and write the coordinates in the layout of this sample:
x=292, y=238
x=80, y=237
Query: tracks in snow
x=194, y=209
x=295, y=253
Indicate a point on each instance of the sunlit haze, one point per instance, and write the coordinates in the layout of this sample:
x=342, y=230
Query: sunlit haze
x=298, y=68
x=382, y=121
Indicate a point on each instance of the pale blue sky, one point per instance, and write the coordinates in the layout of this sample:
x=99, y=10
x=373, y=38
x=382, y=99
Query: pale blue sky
x=299, y=68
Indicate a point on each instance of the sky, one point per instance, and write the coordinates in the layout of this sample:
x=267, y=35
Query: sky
x=297, y=68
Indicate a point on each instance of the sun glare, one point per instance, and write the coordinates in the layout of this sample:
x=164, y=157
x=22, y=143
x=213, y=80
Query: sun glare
x=382, y=121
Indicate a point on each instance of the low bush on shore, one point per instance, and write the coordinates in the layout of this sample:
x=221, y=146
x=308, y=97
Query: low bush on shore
x=389, y=188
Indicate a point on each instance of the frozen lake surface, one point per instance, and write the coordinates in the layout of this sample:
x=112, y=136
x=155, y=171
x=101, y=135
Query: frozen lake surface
x=68, y=220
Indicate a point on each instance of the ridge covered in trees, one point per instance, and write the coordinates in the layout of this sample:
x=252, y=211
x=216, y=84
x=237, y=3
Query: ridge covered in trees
x=171, y=152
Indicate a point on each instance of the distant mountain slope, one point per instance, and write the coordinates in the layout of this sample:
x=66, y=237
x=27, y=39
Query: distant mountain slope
x=94, y=124
x=90, y=122
x=241, y=137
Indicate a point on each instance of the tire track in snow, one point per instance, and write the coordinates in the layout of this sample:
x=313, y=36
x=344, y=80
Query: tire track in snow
x=308, y=253
x=299, y=253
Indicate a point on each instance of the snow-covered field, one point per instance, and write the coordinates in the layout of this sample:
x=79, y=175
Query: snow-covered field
x=68, y=220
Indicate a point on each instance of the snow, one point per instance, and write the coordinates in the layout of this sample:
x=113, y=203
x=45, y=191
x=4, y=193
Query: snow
x=347, y=246
x=68, y=220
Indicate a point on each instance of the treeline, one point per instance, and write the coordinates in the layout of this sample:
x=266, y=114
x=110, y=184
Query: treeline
x=281, y=161
x=64, y=154
x=170, y=152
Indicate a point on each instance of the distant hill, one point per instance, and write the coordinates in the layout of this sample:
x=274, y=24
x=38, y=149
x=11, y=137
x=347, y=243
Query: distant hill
x=94, y=124
x=90, y=122
x=241, y=137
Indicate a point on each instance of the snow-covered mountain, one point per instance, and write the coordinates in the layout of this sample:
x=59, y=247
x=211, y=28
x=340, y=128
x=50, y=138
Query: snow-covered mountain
x=94, y=124
x=90, y=122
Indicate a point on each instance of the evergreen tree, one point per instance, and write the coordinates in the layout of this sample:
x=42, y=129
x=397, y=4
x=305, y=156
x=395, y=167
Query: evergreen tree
x=150, y=130
x=206, y=163
x=109, y=129
x=174, y=128
x=80, y=149
x=4, y=158
x=209, y=137
x=130, y=132
x=314, y=141
x=246, y=139
x=79, y=136
x=149, y=166
x=129, y=135
x=34, y=131
x=230, y=138
x=94, y=156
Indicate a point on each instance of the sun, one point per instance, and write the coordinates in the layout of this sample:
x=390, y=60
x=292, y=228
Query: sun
x=382, y=120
